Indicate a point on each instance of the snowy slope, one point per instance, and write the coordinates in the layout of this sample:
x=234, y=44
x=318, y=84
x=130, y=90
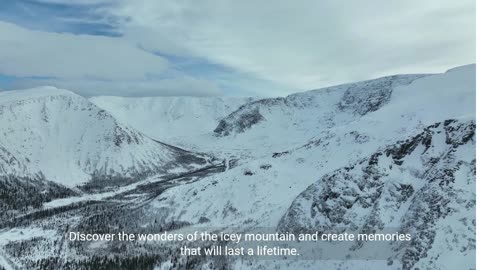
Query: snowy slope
x=23, y=186
x=357, y=98
x=168, y=118
x=423, y=185
x=260, y=190
x=296, y=165
x=259, y=127
x=71, y=141
x=393, y=152
x=11, y=164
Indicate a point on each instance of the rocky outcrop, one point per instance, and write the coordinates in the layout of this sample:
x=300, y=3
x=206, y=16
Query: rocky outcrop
x=243, y=121
x=369, y=96
x=419, y=186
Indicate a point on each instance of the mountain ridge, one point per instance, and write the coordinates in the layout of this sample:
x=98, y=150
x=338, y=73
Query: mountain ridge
x=392, y=153
x=91, y=143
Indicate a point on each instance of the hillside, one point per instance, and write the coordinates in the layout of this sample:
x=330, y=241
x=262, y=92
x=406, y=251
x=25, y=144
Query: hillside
x=71, y=141
x=168, y=118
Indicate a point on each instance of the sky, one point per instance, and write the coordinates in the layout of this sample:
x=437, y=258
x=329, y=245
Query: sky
x=226, y=47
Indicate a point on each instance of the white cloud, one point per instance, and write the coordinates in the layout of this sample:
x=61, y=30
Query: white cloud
x=287, y=45
x=35, y=53
x=309, y=43
x=178, y=86
x=91, y=65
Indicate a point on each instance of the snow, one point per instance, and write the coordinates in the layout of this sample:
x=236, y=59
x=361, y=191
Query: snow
x=70, y=140
x=168, y=118
x=339, y=138
x=317, y=132
x=32, y=94
x=232, y=199
x=97, y=196
x=15, y=234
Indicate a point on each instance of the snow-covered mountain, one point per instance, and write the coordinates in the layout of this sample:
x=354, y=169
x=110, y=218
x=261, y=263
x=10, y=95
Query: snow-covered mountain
x=396, y=152
x=289, y=169
x=357, y=98
x=424, y=186
x=71, y=141
x=410, y=102
x=168, y=118
x=407, y=164
x=21, y=186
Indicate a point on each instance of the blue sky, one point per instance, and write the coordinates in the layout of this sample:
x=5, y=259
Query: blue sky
x=225, y=47
x=58, y=17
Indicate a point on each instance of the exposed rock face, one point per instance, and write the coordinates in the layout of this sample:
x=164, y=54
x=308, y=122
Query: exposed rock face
x=422, y=185
x=362, y=98
x=243, y=121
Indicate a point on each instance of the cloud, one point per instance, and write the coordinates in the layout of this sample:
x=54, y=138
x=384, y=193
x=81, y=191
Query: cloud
x=307, y=44
x=178, y=86
x=189, y=47
x=34, y=53
x=91, y=65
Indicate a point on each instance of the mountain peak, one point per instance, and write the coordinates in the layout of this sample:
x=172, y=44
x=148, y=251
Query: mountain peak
x=33, y=93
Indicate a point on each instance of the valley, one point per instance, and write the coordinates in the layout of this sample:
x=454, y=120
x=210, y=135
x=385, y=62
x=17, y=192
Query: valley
x=393, y=153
